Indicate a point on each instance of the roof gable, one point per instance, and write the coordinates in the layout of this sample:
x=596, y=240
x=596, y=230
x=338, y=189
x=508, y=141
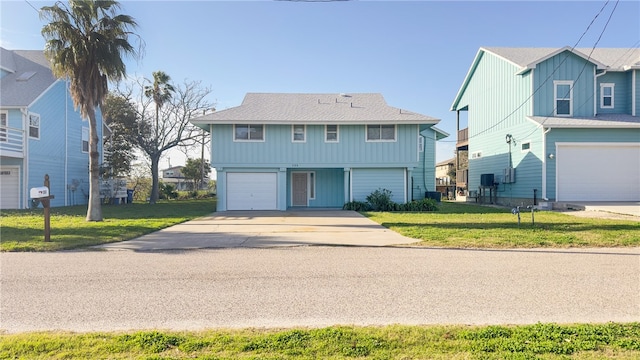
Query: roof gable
x=621, y=59
x=28, y=77
x=288, y=108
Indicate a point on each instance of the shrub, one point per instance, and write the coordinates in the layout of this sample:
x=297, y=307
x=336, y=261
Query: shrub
x=418, y=205
x=168, y=191
x=380, y=200
x=356, y=206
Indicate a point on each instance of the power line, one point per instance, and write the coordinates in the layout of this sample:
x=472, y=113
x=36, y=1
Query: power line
x=33, y=7
x=553, y=72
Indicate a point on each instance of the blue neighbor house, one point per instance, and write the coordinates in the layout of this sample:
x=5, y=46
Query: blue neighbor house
x=277, y=151
x=556, y=125
x=40, y=133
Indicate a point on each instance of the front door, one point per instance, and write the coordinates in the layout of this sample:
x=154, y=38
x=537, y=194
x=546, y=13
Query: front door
x=299, y=189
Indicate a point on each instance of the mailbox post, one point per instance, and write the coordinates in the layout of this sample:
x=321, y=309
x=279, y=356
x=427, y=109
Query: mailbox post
x=42, y=194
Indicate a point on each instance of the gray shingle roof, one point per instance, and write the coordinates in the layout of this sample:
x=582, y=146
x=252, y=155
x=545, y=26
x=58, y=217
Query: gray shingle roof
x=599, y=121
x=613, y=58
x=16, y=92
x=287, y=108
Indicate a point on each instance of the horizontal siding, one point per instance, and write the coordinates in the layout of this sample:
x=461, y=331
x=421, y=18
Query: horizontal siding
x=278, y=149
x=564, y=66
x=366, y=181
x=47, y=155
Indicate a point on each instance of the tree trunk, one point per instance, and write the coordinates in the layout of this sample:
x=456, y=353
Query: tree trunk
x=94, y=208
x=155, y=160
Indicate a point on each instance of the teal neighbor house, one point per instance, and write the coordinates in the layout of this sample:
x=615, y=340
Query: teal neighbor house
x=40, y=133
x=552, y=124
x=278, y=150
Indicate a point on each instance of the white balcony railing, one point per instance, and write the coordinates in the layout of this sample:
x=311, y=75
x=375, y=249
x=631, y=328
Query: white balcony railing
x=11, y=142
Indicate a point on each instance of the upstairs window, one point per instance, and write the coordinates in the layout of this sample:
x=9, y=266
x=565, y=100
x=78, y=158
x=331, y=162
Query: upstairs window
x=34, y=126
x=606, y=96
x=85, y=140
x=331, y=133
x=381, y=132
x=525, y=146
x=299, y=133
x=248, y=133
x=563, y=95
x=4, y=122
x=420, y=143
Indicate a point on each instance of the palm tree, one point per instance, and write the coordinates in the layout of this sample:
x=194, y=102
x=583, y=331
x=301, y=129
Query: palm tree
x=85, y=41
x=160, y=92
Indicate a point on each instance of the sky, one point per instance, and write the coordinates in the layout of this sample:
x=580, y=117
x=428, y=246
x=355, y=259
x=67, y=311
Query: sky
x=415, y=53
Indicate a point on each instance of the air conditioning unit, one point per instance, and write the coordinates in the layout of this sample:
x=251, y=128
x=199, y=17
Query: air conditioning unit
x=486, y=179
x=509, y=175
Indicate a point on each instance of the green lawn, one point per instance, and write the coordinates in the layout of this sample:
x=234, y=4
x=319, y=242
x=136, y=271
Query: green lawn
x=22, y=230
x=471, y=226
x=540, y=341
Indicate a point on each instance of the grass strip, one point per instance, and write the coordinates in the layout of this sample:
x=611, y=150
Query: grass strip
x=471, y=226
x=23, y=230
x=539, y=341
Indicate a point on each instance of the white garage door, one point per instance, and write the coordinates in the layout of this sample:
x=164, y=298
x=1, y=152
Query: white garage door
x=9, y=188
x=252, y=191
x=598, y=172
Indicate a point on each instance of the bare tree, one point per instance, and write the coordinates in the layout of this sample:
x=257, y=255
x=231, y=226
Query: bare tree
x=161, y=128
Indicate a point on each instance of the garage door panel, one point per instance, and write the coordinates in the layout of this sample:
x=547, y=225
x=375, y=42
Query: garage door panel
x=598, y=172
x=10, y=188
x=251, y=191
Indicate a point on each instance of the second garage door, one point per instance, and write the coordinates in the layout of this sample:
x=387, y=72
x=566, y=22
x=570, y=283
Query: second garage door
x=252, y=191
x=598, y=172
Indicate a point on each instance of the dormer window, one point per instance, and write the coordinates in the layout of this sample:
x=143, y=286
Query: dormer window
x=606, y=96
x=563, y=95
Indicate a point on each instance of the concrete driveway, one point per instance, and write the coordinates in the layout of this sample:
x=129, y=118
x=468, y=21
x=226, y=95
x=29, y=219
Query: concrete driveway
x=257, y=229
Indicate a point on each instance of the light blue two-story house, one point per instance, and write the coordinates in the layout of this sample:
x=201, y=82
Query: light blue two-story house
x=277, y=151
x=560, y=124
x=40, y=133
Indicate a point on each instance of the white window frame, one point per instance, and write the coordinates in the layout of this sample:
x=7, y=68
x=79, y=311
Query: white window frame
x=420, y=143
x=248, y=139
x=366, y=133
x=85, y=139
x=311, y=185
x=29, y=117
x=326, y=133
x=612, y=96
x=556, y=96
x=522, y=144
x=304, y=133
x=476, y=154
x=4, y=124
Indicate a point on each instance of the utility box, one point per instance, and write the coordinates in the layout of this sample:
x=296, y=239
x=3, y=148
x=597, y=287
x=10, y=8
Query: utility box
x=509, y=175
x=39, y=192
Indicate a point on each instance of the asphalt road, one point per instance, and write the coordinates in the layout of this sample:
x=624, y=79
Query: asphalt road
x=315, y=286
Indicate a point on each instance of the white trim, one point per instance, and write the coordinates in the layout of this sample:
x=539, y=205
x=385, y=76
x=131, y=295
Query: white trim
x=17, y=168
x=406, y=186
x=351, y=185
x=583, y=144
x=3, y=128
x=337, y=140
x=544, y=162
x=293, y=133
x=522, y=143
x=557, y=83
x=264, y=133
x=395, y=133
x=602, y=96
x=44, y=92
x=29, y=126
x=633, y=93
x=83, y=141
